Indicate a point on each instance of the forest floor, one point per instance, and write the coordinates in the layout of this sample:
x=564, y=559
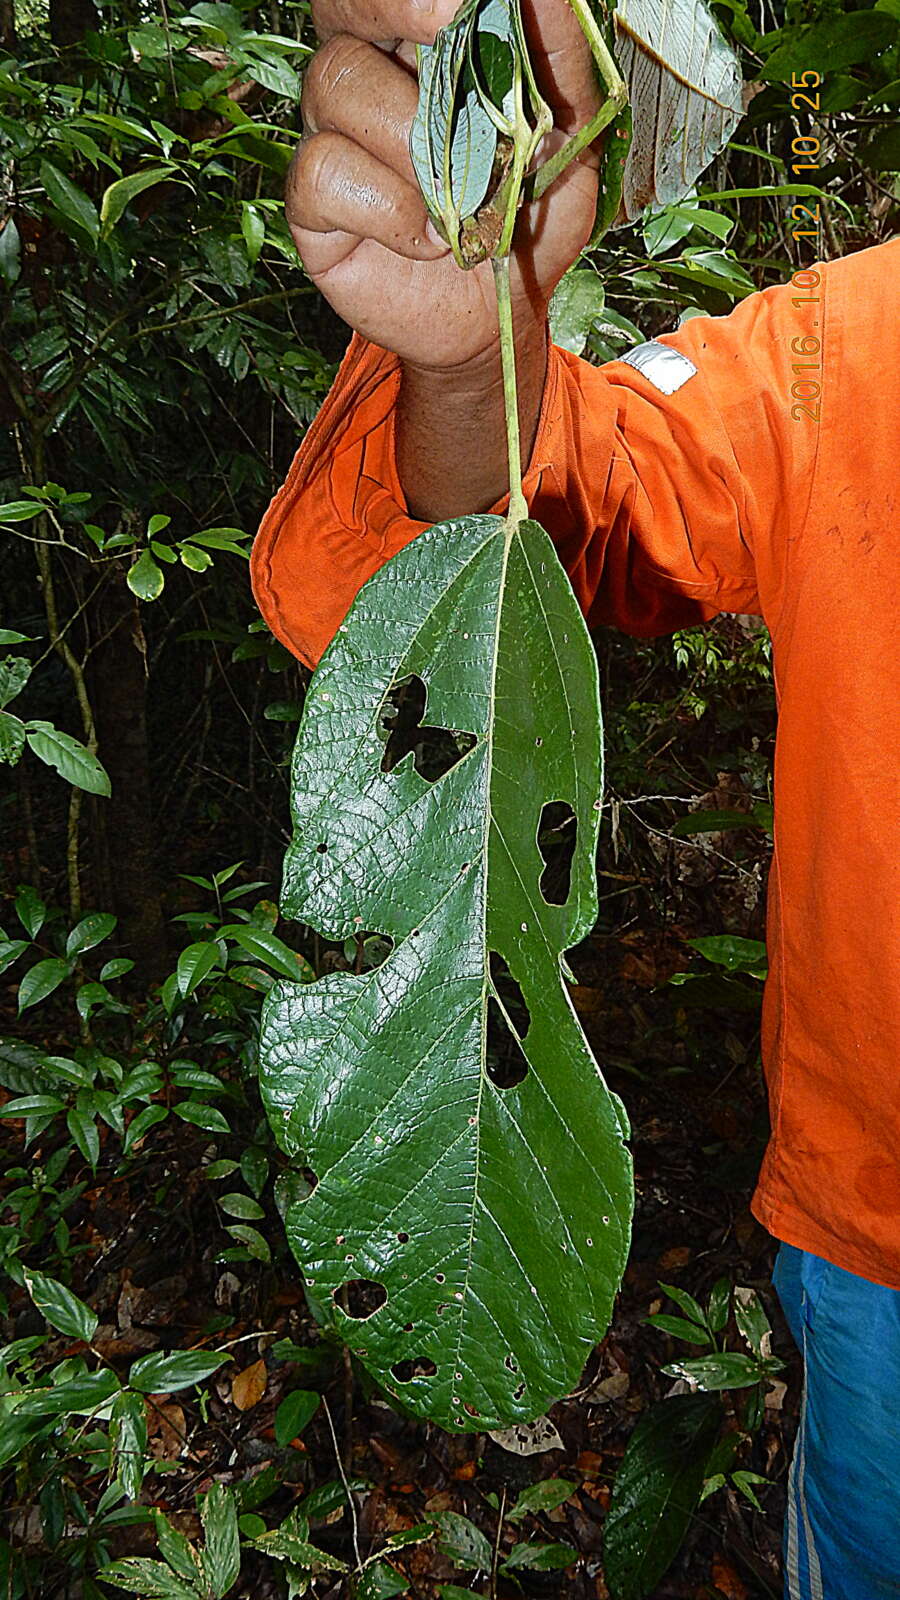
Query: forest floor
x=149, y=1265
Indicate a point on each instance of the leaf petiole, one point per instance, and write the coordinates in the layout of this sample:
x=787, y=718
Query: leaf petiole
x=518, y=509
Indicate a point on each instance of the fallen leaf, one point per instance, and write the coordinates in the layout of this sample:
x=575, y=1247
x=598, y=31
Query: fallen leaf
x=727, y=1580
x=678, y=1256
x=528, y=1438
x=249, y=1386
x=166, y=1430
x=775, y=1395
x=606, y=1389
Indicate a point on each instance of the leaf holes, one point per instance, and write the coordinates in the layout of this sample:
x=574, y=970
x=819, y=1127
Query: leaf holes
x=518, y=1391
x=510, y=1364
x=556, y=837
x=321, y=849
x=506, y=1064
x=507, y=1025
x=470, y=1409
x=403, y=1238
x=360, y=1298
x=415, y=1367
x=509, y=994
x=444, y=1306
x=440, y=1277
x=436, y=751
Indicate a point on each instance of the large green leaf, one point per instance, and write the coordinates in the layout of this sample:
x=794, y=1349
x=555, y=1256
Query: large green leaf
x=495, y=1220
x=222, y=1553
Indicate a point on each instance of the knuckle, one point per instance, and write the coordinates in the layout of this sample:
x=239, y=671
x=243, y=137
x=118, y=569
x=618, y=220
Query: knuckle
x=331, y=74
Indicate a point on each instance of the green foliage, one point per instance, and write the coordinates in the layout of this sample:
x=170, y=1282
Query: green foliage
x=428, y=1106
x=656, y=1491
x=681, y=1450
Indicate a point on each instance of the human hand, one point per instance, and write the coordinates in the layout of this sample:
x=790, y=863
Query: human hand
x=354, y=207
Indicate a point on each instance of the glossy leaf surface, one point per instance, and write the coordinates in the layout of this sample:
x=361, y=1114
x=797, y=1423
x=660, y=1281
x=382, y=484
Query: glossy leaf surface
x=656, y=1492
x=466, y=1238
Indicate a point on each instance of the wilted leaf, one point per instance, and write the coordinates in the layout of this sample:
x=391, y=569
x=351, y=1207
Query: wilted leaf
x=433, y=1158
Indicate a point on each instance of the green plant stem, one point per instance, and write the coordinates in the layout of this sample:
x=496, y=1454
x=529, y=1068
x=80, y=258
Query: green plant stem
x=616, y=99
x=518, y=509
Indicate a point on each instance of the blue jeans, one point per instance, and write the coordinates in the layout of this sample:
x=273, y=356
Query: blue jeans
x=842, y=1534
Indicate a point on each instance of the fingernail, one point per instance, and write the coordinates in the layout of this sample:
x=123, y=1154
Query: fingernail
x=434, y=237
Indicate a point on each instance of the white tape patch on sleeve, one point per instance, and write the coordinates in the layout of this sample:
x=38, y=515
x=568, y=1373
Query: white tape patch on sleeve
x=665, y=368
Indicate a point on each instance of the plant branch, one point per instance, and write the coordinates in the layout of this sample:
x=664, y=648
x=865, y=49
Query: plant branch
x=223, y=311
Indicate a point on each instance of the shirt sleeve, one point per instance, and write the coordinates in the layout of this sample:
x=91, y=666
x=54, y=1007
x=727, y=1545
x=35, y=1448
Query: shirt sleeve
x=665, y=507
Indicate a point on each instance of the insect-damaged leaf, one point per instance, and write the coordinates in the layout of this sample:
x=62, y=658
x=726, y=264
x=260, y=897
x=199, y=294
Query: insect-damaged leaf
x=466, y=1238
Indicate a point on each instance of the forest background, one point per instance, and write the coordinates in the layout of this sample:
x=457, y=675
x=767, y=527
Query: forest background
x=166, y=1402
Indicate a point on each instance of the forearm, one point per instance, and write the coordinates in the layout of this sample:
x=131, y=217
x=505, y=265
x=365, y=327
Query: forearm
x=451, y=431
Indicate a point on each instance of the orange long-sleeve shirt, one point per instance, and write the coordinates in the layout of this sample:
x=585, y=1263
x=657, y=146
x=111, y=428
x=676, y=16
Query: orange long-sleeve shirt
x=727, y=494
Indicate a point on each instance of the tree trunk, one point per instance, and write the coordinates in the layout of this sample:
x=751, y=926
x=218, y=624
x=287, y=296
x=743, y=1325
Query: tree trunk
x=126, y=846
x=7, y=25
x=70, y=20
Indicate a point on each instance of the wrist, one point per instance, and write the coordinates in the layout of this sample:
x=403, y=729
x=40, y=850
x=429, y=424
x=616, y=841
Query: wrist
x=451, y=433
